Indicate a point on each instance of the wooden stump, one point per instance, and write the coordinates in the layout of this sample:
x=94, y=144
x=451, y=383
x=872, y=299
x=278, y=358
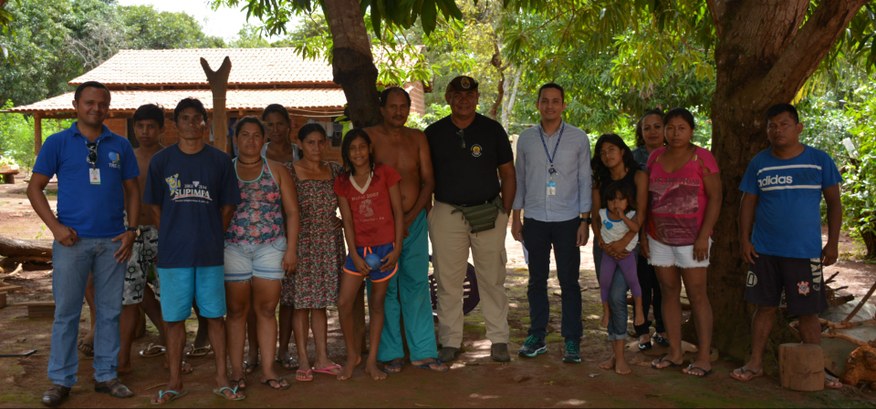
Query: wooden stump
x=801, y=367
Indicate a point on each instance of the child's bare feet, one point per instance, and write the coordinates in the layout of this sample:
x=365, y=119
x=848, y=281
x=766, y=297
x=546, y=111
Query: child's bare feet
x=621, y=367
x=375, y=372
x=607, y=364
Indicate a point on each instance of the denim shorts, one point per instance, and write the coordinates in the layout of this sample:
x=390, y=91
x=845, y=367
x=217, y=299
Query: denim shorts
x=243, y=261
x=181, y=286
x=375, y=275
x=664, y=255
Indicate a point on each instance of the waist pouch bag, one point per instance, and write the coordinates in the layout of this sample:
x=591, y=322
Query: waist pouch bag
x=480, y=217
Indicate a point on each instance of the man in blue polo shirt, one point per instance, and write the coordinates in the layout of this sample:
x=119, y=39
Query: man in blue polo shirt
x=780, y=233
x=97, y=183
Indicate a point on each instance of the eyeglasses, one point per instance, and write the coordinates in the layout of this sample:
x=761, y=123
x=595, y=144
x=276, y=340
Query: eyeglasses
x=461, y=134
x=92, y=153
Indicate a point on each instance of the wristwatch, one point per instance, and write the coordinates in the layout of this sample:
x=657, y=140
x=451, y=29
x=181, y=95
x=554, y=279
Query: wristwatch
x=587, y=220
x=135, y=230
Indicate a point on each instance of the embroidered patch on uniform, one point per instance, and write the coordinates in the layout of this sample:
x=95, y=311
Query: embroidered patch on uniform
x=115, y=161
x=803, y=288
x=476, y=150
x=751, y=279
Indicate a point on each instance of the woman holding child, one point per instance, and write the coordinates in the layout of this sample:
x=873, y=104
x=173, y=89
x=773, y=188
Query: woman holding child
x=615, y=170
x=257, y=252
x=685, y=199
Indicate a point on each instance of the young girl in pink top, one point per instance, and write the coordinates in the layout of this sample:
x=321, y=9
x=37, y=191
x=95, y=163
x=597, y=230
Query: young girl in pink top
x=371, y=208
x=685, y=192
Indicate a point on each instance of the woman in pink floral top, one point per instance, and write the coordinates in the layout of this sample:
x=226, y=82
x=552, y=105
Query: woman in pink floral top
x=257, y=252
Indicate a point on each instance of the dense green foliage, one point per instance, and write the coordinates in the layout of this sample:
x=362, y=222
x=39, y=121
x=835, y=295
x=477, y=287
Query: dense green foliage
x=50, y=42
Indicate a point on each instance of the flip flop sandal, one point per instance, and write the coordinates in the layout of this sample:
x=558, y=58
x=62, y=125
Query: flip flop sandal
x=152, y=350
x=832, y=382
x=304, y=375
x=276, y=384
x=286, y=363
x=394, y=366
x=171, y=395
x=644, y=346
x=86, y=348
x=186, y=368
x=658, y=363
x=250, y=367
x=199, y=351
x=694, y=370
x=434, y=365
x=745, y=374
x=333, y=370
x=234, y=394
x=239, y=384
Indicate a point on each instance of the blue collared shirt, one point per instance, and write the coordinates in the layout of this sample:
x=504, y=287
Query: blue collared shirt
x=94, y=210
x=572, y=177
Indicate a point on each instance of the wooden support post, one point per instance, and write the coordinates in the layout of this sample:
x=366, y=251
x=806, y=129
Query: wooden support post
x=218, y=81
x=801, y=367
x=37, y=133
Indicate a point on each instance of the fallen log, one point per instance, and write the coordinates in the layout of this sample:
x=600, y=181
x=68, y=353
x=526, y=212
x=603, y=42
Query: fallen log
x=37, y=251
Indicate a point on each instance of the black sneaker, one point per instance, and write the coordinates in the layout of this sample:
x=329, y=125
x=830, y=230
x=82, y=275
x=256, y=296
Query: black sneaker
x=113, y=387
x=532, y=347
x=55, y=395
x=572, y=353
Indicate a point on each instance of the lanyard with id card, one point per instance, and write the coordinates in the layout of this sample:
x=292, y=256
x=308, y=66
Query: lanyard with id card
x=551, y=185
x=93, y=170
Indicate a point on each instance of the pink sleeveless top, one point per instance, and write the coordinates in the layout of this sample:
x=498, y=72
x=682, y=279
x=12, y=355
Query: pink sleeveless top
x=678, y=199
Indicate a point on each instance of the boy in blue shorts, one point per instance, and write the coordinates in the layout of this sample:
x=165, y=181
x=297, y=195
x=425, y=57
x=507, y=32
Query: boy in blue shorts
x=780, y=233
x=193, y=192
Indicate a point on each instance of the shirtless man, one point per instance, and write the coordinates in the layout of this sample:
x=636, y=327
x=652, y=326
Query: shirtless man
x=407, y=296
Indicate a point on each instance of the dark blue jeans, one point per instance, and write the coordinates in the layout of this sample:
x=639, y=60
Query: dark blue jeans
x=539, y=237
x=617, y=300
x=651, y=296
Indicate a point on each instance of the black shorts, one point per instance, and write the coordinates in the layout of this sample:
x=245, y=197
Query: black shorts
x=800, y=278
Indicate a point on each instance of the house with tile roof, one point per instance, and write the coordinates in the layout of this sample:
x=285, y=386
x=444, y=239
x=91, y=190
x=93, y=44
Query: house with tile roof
x=259, y=77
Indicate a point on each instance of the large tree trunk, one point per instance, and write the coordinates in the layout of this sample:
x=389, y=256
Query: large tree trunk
x=352, y=61
x=764, y=54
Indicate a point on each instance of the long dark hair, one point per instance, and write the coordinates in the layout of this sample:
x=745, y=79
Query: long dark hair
x=601, y=173
x=351, y=136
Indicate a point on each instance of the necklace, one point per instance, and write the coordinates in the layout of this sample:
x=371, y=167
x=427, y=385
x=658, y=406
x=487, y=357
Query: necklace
x=248, y=163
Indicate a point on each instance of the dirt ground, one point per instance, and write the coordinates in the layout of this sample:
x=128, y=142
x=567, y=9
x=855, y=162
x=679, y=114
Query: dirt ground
x=474, y=380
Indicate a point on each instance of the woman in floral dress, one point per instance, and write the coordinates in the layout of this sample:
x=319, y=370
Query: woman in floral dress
x=320, y=257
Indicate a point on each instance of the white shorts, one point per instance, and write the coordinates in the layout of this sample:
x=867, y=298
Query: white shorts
x=664, y=255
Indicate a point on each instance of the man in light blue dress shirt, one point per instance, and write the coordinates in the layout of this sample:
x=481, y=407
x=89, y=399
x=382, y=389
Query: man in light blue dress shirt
x=554, y=192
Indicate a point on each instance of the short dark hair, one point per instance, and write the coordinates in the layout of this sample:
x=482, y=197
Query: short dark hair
x=351, y=136
x=310, y=128
x=682, y=113
x=384, y=95
x=189, y=103
x=777, y=109
x=149, y=111
x=249, y=119
x=640, y=137
x=554, y=86
x=626, y=191
x=276, y=109
x=88, y=84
